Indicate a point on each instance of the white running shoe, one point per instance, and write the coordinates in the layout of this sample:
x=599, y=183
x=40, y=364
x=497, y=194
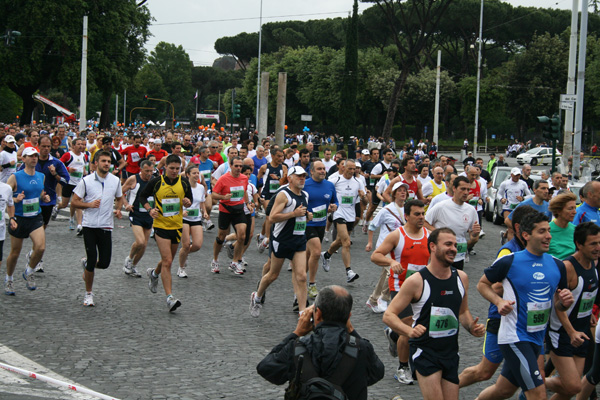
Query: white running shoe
x=351, y=276
x=235, y=268
x=325, y=262
x=88, y=300
x=255, y=306
x=152, y=280
x=382, y=304
x=128, y=266
x=328, y=235
x=230, y=249
x=181, y=273
x=264, y=244
x=173, y=303
x=214, y=267
x=404, y=375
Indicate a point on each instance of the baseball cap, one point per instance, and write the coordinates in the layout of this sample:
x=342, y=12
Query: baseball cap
x=398, y=184
x=296, y=170
x=157, y=140
x=358, y=164
x=9, y=139
x=29, y=151
x=106, y=139
x=515, y=171
x=366, y=152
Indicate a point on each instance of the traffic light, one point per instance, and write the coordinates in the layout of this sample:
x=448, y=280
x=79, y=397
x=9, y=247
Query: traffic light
x=9, y=38
x=551, y=127
x=236, y=110
x=145, y=97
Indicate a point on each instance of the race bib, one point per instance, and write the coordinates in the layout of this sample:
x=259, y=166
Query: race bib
x=206, y=174
x=31, y=207
x=237, y=193
x=150, y=202
x=461, y=248
x=412, y=268
x=193, y=212
x=76, y=174
x=135, y=157
x=348, y=200
x=372, y=181
x=513, y=206
x=320, y=213
x=300, y=226
x=586, y=304
x=442, y=322
x=474, y=201
x=273, y=186
x=171, y=207
x=537, y=316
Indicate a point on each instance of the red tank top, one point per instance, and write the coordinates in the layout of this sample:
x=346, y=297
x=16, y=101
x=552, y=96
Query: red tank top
x=412, y=254
x=413, y=188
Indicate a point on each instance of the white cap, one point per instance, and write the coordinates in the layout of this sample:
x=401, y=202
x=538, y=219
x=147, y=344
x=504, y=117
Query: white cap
x=29, y=151
x=515, y=171
x=296, y=170
x=398, y=184
x=157, y=140
x=358, y=164
x=9, y=139
x=366, y=152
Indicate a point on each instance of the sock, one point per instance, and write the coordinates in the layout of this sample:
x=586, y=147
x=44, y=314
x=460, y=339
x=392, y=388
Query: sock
x=327, y=255
x=312, y=283
x=347, y=269
x=257, y=298
x=261, y=236
x=402, y=364
x=154, y=273
x=28, y=271
x=8, y=278
x=89, y=293
x=169, y=296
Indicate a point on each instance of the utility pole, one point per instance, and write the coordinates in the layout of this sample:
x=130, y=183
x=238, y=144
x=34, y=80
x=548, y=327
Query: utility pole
x=264, y=106
x=436, y=117
x=580, y=89
x=478, y=81
x=258, y=86
x=281, y=103
x=568, y=131
x=83, y=90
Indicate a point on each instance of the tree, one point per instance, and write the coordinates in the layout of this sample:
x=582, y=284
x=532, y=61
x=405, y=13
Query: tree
x=347, y=120
x=413, y=24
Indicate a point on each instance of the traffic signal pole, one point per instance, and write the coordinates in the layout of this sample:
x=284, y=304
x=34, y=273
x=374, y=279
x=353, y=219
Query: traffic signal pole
x=580, y=89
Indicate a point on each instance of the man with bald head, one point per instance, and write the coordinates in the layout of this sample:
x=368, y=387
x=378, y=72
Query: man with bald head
x=329, y=318
x=434, y=187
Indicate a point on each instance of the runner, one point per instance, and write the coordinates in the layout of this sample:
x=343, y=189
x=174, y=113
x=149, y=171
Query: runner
x=75, y=162
x=434, y=187
x=289, y=215
x=134, y=154
x=568, y=335
x=438, y=295
x=347, y=188
x=390, y=218
x=274, y=175
x=231, y=190
x=206, y=168
x=537, y=202
x=95, y=194
x=409, y=176
x=407, y=248
x=141, y=221
x=534, y=281
x=192, y=233
x=8, y=159
x=28, y=190
x=171, y=193
x=7, y=207
x=448, y=182
x=512, y=191
x=367, y=168
x=322, y=199
x=458, y=214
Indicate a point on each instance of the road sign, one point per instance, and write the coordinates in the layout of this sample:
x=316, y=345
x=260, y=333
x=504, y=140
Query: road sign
x=568, y=97
x=567, y=105
x=208, y=116
x=306, y=118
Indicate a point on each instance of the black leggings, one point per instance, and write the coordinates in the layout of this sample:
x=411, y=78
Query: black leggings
x=97, y=242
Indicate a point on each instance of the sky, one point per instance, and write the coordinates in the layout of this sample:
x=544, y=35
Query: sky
x=197, y=24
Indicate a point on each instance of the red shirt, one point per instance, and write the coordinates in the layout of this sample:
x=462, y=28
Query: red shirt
x=236, y=186
x=158, y=154
x=28, y=144
x=134, y=155
x=216, y=158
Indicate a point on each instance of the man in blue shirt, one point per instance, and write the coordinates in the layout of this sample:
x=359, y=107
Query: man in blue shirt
x=588, y=211
x=322, y=199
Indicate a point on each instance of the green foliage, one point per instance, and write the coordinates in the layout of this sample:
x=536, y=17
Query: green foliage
x=10, y=104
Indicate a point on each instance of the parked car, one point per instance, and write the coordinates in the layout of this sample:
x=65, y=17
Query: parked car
x=499, y=174
x=538, y=155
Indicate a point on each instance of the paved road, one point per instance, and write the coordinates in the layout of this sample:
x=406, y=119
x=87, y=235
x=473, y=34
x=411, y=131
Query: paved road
x=130, y=347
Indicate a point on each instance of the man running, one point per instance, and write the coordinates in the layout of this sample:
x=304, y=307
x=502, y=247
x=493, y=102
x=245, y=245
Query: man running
x=231, y=192
x=8, y=159
x=274, y=175
x=134, y=154
x=140, y=219
x=75, y=162
x=322, y=199
x=28, y=191
x=171, y=193
x=458, y=214
x=206, y=168
x=347, y=188
x=95, y=194
x=289, y=216
x=533, y=281
x=434, y=187
x=438, y=295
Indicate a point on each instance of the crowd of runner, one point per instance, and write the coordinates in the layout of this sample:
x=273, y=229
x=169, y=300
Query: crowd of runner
x=542, y=288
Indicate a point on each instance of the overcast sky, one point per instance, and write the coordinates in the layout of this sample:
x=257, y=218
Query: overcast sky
x=197, y=24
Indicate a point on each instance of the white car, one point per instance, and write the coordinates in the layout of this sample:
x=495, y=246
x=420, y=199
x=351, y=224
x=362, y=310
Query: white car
x=538, y=155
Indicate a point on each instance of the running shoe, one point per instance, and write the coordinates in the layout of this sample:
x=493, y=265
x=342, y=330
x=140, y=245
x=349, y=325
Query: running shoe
x=214, y=267
x=230, y=249
x=502, y=238
x=88, y=300
x=244, y=262
x=375, y=308
x=404, y=375
x=54, y=213
x=128, y=266
x=181, y=273
x=235, y=268
x=209, y=225
x=312, y=291
x=481, y=234
x=264, y=244
x=325, y=262
x=392, y=346
x=382, y=304
x=27, y=258
x=135, y=273
x=258, y=241
x=289, y=266
x=351, y=276
x=255, y=306
x=72, y=224
x=152, y=233
x=153, y=281
x=327, y=236
x=30, y=281
x=365, y=229
x=173, y=303
x=84, y=263
x=9, y=288
x=40, y=266
x=79, y=230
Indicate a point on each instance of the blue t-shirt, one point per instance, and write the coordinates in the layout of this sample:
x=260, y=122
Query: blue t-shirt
x=529, y=202
x=514, y=246
x=531, y=282
x=586, y=213
x=33, y=187
x=320, y=196
x=206, y=169
x=258, y=163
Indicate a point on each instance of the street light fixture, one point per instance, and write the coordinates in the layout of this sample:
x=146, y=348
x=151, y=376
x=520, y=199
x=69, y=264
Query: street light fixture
x=172, y=108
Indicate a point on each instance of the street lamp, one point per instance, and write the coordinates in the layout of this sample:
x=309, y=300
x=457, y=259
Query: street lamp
x=478, y=81
x=258, y=76
x=139, y=108
x=172, y=108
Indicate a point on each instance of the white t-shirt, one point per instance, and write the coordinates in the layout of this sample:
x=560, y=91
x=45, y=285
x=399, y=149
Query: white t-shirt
x=378, y=169
x=6, y=199
x=222, y=170
x=438, y=199
x=389, y=218
x=328, y=164
x=194, y=211
x=427, y=188
x=6, y=158
x=251, y=153
x=347, y=193
x=91, y=188
x=509, y=190
x=448, y=214
x=424, y=181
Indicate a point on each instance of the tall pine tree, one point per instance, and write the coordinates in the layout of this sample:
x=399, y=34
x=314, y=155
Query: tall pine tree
x=347, y=115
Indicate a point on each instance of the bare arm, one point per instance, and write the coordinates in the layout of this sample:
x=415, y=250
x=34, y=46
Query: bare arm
x=276, y=212
x=487, y=291
x=412, y=287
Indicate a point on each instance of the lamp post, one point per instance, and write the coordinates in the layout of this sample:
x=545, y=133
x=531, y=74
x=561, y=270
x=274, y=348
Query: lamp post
x=478, y=81
x=172, y=108
x=139, y=108
x=258, y=75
